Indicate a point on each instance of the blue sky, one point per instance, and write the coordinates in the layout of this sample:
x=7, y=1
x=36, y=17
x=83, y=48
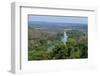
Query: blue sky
x=66, y=19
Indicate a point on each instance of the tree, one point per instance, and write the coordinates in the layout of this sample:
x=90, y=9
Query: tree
x=71, y=42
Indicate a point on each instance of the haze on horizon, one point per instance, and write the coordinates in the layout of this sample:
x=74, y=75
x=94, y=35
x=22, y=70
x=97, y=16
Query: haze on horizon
x=59, y=19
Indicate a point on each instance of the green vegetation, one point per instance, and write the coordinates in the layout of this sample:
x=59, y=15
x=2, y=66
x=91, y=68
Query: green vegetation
x=47, y=45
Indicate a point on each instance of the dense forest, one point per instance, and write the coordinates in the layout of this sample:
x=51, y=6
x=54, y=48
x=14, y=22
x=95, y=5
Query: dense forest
x=46, y=44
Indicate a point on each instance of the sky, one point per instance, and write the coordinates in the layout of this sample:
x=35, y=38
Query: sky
x=65, y=19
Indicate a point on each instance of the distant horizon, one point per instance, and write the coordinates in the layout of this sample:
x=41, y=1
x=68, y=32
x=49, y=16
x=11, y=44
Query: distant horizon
x=56, y=22
x=58, y=19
